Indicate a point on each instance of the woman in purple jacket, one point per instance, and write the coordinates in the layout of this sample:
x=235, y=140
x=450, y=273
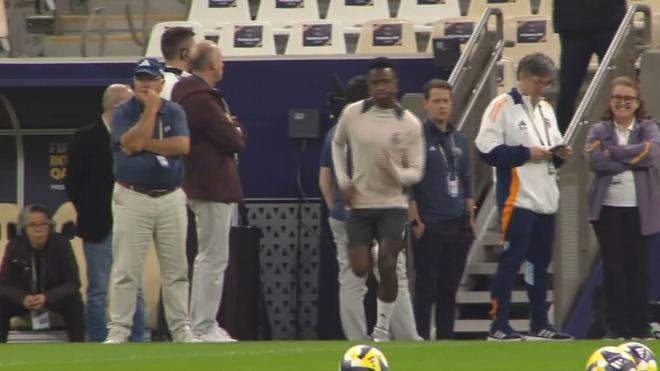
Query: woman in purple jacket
x=624, y=204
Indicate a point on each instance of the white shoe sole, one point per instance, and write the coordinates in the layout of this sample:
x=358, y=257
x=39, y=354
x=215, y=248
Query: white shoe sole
x=504, y=340
x=539, y=338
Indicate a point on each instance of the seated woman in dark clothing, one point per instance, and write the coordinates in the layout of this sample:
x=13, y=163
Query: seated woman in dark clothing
x=39, y=274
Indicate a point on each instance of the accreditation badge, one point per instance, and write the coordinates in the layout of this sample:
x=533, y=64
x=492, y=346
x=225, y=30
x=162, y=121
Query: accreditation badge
x=452, y=186
x=40, y=319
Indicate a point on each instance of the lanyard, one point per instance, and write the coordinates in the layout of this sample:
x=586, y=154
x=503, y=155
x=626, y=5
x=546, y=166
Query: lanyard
x=453, y=169
x=533, y=123
x=34, y=282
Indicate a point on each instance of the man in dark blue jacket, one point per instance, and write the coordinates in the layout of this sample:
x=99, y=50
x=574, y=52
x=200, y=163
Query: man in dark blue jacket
x=441, y=214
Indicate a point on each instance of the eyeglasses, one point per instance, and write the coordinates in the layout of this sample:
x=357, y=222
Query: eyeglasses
x=541, y=81
x=38, y=225
x=623, y=98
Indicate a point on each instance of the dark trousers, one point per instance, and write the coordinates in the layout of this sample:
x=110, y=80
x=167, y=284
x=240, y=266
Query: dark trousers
x=624, y=266
x=71, y=309
x=529, y=237
x=440, y=257
x=576, y=52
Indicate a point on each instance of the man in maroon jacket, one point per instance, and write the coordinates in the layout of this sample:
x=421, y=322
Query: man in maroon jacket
x=211, y=182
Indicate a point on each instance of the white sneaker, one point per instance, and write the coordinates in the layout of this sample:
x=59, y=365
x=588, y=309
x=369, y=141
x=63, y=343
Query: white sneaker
x=116, y=336
x=217, y=335
x=380, y=335
x=185, y=335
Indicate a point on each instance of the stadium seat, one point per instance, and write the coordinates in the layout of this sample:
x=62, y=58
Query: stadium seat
x=426, y=12
x=4, y=29
x=284, y=13
x=213, y=13
x=511, y=8
x=653, y=4
x=655, y=30
x=64, y=214
x=506, y=75
x=545, y=8
x=213, y=35
x=8, y=214
x=247, y=38
x=316, y=37
x=387, y=36
x=356, y=12
x=153, y=48
x=458, y=26
x=530, y=34
x=151, y=286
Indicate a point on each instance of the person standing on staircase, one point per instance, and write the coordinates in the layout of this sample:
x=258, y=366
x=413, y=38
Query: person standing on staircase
x=441, y=213
x=520, y=138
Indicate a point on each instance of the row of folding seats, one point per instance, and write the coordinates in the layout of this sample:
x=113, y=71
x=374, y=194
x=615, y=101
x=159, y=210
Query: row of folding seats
x=283, y=13
x=380, y=36
x=4, y=29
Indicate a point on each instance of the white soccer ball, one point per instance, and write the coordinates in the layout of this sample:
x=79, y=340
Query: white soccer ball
x=642, y=355
x=363, y=358
x=610, y=359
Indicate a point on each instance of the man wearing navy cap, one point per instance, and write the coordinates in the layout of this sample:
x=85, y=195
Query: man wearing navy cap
x=149, y=136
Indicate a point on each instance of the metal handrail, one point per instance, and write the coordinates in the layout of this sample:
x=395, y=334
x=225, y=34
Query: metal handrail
x=624, y=28
x=482, y=83
x=102, y=31
x=479, y=31
x=20, y=158
x=140, y=41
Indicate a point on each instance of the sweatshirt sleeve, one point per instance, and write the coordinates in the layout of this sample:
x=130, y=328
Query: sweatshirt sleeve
x=642, y=154
x=412, y=172
x=598, y=162
x=490, y=139
x=339, y=156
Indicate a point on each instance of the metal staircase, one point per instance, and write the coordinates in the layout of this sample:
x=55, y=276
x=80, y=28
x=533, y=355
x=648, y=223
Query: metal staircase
x=474, y=82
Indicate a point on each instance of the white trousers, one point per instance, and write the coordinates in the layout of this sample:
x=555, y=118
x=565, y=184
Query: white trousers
x=352, y=290
x=213, y=226
x=138, y=219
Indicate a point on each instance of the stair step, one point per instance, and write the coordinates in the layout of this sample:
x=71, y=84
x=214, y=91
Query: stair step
x=69, y=45
x=118, y=22
x=483, y=325
x=118, y=6
x=489, y=268
x=483, y=297
x=493, y=238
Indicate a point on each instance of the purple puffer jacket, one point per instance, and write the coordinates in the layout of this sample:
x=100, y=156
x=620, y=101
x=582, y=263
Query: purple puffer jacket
x=641, y=155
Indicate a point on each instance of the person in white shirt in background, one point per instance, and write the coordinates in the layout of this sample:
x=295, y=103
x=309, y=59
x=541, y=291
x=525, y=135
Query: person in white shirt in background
x=387, y=156
x=175, y=45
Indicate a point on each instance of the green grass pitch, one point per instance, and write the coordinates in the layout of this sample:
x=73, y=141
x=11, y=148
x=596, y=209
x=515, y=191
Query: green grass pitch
x=300, y=356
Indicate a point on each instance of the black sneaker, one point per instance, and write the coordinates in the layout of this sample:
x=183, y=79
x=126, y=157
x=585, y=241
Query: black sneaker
x=548, y=333
x=504, y=333
x=613, y=335
x=646, y=334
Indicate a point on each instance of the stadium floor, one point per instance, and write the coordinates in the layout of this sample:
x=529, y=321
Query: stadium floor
x=300, y=355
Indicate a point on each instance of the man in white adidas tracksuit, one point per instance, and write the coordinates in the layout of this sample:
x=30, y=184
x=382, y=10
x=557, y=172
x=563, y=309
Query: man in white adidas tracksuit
x=520, y=138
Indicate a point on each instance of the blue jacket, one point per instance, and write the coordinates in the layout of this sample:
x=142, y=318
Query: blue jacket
x=447, y=154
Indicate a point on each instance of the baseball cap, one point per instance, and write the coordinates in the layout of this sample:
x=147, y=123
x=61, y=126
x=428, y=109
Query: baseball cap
x=150, y=66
